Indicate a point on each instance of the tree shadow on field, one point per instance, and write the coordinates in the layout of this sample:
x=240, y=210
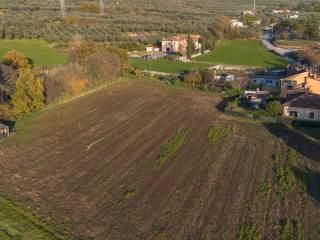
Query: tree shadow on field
x=310, y=181
x=221, y=106
x=296, y=141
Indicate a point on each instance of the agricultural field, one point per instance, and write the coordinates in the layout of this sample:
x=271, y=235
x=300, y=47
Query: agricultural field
x=165, y=65
x=242, y=52
x=35, y=19
x=38, y=51
x=145, y=161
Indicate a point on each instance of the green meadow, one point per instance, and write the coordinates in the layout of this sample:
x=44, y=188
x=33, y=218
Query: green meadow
x=242, y=52
x=38, y=51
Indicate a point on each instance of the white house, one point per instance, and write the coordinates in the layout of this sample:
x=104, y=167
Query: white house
x=294, y=16
x=248, y=12
x=277, y=11
x=236, y=24
x=305, y=107
x=152, y=48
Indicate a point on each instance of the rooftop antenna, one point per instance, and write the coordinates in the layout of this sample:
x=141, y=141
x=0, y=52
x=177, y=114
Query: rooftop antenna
x=63, y=8
x=101, y=7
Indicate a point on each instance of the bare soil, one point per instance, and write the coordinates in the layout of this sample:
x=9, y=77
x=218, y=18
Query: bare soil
x=79, y=160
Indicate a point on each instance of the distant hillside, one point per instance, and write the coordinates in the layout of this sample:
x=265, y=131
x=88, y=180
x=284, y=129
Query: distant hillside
x=42, y=19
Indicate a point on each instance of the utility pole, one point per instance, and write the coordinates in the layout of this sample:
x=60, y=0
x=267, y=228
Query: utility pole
x=101, y=5
x=63, y=8
x=254, y=7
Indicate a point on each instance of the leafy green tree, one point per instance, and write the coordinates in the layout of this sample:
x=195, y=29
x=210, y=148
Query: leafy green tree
x=29, y=92
x=274, y=108
x=190, y=47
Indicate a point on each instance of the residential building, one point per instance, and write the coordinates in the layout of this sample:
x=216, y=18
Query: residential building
x=179, y=43
x=293, y=16
x=236, y=24
x=305, y=107
x=278, y=11
x=255, y=98
x=301, y=82
x=248, y=12
x=154, y=48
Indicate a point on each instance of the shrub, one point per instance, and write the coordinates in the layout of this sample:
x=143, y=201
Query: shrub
x=29, y=94
x=16, y=59
x=274, y=108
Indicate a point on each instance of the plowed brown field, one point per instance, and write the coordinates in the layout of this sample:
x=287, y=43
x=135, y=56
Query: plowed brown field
x=90, y=167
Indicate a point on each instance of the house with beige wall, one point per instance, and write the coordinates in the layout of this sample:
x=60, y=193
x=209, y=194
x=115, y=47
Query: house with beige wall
x=305, y=107
x=302, y=82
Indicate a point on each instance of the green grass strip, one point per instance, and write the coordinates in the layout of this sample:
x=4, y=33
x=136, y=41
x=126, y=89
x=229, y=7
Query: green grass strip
x=173, y=145
x=217, y=132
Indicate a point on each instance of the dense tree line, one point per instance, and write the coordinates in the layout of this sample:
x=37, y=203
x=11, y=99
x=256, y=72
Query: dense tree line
x=303, y=29
x=24, y=89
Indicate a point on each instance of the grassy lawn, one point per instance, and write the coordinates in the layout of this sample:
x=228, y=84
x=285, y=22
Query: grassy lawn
x=16, y=223
x=242, y=52
x=38, y=51
x=165, y=65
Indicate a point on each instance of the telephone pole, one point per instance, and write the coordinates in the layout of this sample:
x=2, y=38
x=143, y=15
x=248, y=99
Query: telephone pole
x=101, y=6
x=254, y=7
x=63, y=8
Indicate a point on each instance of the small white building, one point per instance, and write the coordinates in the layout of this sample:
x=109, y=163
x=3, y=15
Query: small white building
x=248, y=12
x=236, y=24
x=305, y=107
x=293, y=16
x=277, y=11
x=152, y=48
x=4, y=131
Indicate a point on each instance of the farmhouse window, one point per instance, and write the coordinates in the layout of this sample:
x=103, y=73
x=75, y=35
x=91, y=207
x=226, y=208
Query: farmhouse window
x=311, y=115
x=293, y=114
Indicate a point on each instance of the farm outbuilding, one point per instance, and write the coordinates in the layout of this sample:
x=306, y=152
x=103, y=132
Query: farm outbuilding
x=4, y=131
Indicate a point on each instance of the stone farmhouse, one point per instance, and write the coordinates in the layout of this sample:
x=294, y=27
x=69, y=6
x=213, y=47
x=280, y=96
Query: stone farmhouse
x=179, y=43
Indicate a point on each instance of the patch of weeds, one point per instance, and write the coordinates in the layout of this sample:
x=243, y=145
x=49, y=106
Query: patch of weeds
x=214, y=233
x=129, y=194
x=160, y=235
x=285, y=177
x=217, y=132
x=248, y=231
x=264, y=189
x=289, y=230
x=293, y=156
x=173, y=145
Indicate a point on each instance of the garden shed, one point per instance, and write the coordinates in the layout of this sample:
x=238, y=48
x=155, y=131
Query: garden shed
x=4, y=131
